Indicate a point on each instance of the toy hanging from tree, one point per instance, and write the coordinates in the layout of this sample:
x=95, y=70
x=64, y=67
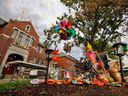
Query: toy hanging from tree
x=65, y=30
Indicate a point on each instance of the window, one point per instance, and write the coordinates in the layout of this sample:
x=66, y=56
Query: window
x=19, y=39
x=26, y=41
x=41, y=49
x=24, y=36
x=23, y=40
x=40, y=61
x=37, y=48
x=37, y=61
x=14, y=34
x=31, y=41
x=27, y=28
x=68, y=61
x=34, y=60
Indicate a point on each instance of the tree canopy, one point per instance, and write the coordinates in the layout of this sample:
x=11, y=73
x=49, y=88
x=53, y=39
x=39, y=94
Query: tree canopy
x=99, y=22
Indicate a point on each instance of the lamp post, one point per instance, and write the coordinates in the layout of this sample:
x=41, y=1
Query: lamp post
x=48, y=58
x=119, y=51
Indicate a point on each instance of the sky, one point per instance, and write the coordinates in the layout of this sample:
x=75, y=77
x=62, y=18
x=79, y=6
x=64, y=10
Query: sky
x=42, y=14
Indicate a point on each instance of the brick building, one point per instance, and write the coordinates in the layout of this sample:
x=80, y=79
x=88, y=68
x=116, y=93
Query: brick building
x=19, y=41
x=66, y=63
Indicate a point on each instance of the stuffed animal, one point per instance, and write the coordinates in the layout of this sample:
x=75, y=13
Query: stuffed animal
x=114, y=71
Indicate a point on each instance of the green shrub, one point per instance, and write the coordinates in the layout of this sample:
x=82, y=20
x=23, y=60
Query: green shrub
x=14, y=85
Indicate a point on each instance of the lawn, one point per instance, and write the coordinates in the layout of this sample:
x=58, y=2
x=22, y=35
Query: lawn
x=13, y=85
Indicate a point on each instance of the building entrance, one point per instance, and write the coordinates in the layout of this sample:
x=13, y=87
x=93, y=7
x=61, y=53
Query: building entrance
x=10, y=69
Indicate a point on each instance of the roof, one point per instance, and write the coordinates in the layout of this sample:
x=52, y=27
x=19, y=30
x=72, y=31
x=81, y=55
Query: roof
x=61, y=54
x=27, y=64
x=20, y=24
x=3, y=22
x=17, y=20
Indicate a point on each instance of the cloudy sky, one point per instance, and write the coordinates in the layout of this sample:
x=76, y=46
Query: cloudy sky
x=42, y=14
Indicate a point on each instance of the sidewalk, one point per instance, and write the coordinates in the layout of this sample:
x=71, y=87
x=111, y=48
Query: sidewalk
x=4, y=80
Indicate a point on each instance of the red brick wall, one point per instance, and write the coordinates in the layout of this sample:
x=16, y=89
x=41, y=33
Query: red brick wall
x=4, y=45
x=40, y=56
x=8, y=29
x=66, y=63
x=34, y=54
x=31, y=54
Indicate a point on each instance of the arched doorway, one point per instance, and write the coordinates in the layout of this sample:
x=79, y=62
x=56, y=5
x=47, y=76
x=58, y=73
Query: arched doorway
x=10, y=69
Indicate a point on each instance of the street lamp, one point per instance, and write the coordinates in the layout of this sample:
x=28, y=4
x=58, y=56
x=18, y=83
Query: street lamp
x=49, y=58
x=119, y=51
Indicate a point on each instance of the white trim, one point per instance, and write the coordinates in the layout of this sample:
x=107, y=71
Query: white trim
x=20, y=31
x=18, y=49
x=34, y=47
x=17, y=34
x=24, y=33
x=5, y=35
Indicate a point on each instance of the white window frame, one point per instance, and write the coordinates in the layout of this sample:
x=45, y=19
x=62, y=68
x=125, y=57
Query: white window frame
x=15, y=30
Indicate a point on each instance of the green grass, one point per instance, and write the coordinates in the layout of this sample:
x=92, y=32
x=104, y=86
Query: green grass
x=14, y=85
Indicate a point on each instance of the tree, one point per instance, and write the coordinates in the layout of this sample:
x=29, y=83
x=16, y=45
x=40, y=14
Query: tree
x=97, y=20
x=51, y=38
